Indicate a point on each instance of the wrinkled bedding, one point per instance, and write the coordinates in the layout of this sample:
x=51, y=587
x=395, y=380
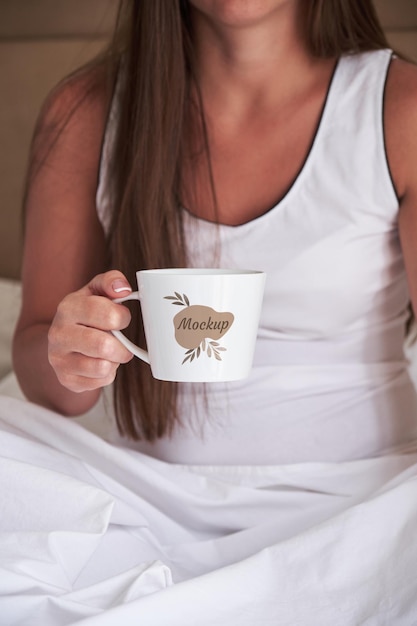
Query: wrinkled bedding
x=10, y=303
x=95, y=534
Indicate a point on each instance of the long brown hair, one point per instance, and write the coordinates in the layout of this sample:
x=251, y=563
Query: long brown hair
x=150, y=61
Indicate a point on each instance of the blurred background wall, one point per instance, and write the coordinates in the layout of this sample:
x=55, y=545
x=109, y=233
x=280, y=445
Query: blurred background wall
x=43, y=40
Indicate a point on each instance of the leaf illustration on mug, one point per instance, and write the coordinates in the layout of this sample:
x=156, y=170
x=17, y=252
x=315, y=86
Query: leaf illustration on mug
x=213, y=349
x=178, y=299
x=198, y=328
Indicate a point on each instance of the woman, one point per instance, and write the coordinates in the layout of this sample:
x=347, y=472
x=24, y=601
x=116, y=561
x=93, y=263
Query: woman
x=277, y=135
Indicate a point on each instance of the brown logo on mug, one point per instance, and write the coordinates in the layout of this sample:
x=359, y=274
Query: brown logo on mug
x=198, y=328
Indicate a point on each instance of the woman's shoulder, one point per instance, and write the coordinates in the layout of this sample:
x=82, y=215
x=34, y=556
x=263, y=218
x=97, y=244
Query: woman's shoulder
x=400, y=120
x=402, y=81
x=71, y=124
x=77, y=104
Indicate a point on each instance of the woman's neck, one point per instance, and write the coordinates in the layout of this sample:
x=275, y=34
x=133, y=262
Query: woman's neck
x=251, y=65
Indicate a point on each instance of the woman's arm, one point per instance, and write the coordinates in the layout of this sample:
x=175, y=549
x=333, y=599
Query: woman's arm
x=64, y=249
x=401, y=144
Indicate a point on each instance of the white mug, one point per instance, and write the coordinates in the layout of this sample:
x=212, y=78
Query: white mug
x=200, y=324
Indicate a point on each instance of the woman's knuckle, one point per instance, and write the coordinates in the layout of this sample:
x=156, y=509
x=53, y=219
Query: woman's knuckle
x=102, y=368
x=60, y=309
x=105, y=347
x=53, y=335
x=115, y=318
x=67, y=380
x=57, y=361
x=53, y=359
x=95, y=306
x=110, y=378
x=64, y=306
x=102, y=309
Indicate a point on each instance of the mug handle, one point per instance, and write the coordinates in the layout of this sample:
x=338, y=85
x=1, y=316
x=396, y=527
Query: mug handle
x=139, y=352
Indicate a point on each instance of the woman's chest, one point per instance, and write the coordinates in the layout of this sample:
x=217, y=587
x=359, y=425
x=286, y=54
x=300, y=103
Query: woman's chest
x=331, y=262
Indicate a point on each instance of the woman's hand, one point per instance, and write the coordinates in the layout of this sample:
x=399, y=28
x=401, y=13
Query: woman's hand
x=81, y=350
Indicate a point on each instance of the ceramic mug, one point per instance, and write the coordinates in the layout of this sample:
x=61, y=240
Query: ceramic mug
x=200, y=324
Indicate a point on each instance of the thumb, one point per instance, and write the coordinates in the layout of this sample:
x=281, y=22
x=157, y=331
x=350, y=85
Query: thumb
x=112, y=284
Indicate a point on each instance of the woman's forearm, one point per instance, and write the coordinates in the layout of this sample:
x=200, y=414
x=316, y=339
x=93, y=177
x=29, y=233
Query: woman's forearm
x=37, y=378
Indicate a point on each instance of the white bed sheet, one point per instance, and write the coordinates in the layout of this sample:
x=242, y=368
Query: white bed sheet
x=94, y=534
x=98, y=535
x=10, y=297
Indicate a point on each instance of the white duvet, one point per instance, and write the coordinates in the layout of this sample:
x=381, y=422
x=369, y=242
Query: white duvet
x=97, y=535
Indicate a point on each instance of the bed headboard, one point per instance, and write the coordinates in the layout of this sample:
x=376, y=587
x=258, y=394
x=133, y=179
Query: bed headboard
x=40, y=42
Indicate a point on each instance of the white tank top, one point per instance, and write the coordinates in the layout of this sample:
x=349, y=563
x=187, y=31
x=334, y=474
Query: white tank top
x=330, y=380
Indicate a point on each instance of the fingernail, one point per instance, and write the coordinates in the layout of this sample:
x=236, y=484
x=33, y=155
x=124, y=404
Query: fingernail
x=120, y=285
